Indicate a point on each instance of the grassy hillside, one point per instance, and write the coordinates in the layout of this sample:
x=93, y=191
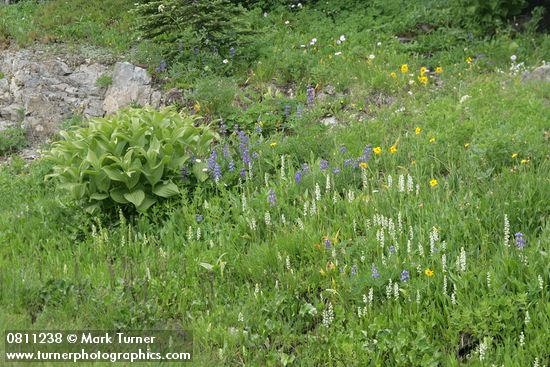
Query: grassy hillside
x=414, y=232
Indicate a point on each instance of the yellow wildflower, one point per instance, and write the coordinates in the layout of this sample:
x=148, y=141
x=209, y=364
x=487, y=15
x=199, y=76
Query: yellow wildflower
x=514, y=155
x=413, y=162
x=423, y=70
x=363, y=165
x=429, y=272
x=377, y=150
x=432, y=140
x=439, y=70
x=404, y=68
x=273, y=145
x=393, y=149
x=469, y=60
x=423, y=79
x=466, y=145
x=524, y=161
x=417, y=130
x=393, y=74
x=433, y=182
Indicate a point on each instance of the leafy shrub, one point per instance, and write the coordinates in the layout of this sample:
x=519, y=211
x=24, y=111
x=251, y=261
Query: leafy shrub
x=12, y=139
x=216, y=95
x=129, y=159
x=489, y=14
x=217, y=25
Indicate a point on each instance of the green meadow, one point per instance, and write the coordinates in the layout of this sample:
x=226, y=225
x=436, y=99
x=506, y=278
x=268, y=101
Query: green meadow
x=350, y=185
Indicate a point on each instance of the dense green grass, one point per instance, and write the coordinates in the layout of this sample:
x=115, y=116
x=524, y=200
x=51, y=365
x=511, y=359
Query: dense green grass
x=58, y=272
x=474, y=141
x=103, y=23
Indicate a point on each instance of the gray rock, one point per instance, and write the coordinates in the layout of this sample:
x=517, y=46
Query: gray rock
x=156, y=98
x=174, y=96
x=41, y=88
x=131, y=84
x=542, y=73
x=56, y=67
x=4, y=85
x=329, y=121
x=12, y=113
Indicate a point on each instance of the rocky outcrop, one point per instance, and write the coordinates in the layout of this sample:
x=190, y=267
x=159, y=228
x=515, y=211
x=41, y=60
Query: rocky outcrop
x=130, y=85
x=542, y=73
x=40, y=90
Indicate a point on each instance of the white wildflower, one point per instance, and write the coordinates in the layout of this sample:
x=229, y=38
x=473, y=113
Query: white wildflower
x=483, y=349
x=189, y=233
x=317, y=192
x=506, y=231
x=464, y=98
x=420, y=249
x=410, y=183
x=521, y=339
x=401, y=183
x=328, y=315
x=313, y=208
x=371, y=296
x=462, y=261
